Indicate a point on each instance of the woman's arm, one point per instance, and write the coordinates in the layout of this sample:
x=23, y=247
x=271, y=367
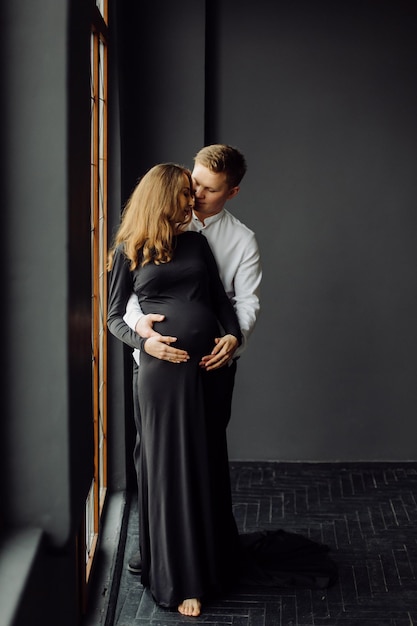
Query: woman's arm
x=120, y=288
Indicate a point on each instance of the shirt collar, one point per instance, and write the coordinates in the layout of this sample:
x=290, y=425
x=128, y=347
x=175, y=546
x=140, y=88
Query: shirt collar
x=209, y=220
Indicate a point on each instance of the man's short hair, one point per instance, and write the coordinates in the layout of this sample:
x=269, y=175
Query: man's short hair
x=222, y=158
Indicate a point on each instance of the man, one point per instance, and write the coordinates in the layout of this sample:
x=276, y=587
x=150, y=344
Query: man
x=217, y=173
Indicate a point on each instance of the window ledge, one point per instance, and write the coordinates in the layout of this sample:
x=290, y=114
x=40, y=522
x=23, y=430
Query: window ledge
x=109, y=561
x=18, y=552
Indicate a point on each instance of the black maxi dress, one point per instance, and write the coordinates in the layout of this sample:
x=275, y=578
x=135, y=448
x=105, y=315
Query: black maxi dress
x=189, y=541
x=188, y=536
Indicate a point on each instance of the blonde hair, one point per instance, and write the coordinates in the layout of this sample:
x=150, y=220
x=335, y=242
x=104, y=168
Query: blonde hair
x=221, y=158
x=149, y=222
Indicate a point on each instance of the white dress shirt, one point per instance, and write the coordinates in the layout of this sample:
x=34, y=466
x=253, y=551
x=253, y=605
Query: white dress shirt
x=236, y=251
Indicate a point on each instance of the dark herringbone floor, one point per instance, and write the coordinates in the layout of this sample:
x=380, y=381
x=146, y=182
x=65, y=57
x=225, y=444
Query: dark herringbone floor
x=367, y=514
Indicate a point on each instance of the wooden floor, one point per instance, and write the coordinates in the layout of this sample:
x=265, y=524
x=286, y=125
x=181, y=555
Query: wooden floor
x=366, y=513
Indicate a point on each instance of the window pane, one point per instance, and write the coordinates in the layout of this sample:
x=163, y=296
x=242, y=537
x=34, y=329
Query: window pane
x=98, y=220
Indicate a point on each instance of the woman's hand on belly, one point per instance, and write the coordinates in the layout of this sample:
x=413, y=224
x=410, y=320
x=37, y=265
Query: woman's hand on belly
x=223, y=351
x=159, y=346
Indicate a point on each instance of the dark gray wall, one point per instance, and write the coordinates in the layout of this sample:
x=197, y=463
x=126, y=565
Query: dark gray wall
x=46, y=454
x=46, y=262
x=322, y=98
x=160, y=52
x=158, y=62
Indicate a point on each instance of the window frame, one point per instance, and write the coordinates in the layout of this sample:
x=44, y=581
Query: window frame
x=88, y=537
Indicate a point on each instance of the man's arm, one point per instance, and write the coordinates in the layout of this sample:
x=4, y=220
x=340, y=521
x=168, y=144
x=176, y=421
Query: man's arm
x=247, y=281
x=135, y=318
x=247, y=284
x=133, y=311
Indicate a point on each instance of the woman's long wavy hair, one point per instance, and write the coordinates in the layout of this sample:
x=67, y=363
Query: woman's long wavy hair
x=150, y=218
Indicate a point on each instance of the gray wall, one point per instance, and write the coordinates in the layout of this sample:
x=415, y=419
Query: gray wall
x=321, y=98
x=46, y=453
x=158, y=112
x=46, y=275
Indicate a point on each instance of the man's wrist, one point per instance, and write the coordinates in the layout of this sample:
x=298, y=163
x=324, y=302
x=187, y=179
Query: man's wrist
x=137, y=322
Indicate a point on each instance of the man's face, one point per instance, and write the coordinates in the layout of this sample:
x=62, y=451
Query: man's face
x=211, y=191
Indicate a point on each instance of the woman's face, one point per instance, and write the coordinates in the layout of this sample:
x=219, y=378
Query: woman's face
x=185, y=203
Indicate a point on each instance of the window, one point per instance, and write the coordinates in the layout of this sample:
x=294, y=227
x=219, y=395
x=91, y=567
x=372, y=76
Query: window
x=98, y=80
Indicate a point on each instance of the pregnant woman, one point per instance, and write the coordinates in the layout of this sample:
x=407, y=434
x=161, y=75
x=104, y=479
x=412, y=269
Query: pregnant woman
x=188, y=537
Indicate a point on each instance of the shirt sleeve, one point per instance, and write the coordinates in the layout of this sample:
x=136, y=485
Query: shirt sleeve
x=133, y=311
x=120, y=289
x=247, y=283
x=223, y=307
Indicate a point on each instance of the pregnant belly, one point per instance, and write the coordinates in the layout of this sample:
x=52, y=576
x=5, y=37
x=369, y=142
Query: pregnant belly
x=192, y=323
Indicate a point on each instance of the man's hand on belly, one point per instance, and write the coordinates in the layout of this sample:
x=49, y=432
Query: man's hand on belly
x=144, y=326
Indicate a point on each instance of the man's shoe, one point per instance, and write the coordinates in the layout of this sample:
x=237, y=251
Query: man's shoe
x=135, y=564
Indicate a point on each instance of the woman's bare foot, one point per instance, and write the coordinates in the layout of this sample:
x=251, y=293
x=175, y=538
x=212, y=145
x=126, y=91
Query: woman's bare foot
x=190, y=607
